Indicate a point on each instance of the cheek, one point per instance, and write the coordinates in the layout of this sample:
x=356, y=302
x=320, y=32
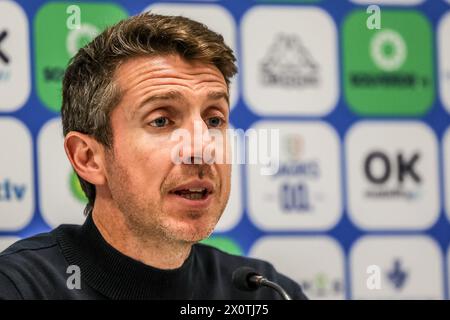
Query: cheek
x=225, y=172
x=146, y=162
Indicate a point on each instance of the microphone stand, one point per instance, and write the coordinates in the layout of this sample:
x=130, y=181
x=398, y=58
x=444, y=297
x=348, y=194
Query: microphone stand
x=261, y=281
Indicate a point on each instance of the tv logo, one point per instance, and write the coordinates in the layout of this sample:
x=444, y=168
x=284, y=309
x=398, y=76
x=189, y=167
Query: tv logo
x=10, y=191
x=16, y=175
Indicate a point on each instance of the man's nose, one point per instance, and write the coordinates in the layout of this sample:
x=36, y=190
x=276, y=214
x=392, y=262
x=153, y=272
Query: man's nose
x=194, y=152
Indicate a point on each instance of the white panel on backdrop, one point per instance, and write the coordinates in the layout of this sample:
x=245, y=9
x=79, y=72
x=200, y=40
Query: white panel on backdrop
x=14, y=57
x=446, y=167
x=443, y=43
x=216, y=17
x=316, y=263
x=58, y=194
x=402, y=267
x=5, y=242
x=448, y=270
x=392, y=175
x=233, y=211
x=289, y=70
x=16, y=175
x=305, y=192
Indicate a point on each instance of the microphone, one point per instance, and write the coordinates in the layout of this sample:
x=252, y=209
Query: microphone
x=247, y=279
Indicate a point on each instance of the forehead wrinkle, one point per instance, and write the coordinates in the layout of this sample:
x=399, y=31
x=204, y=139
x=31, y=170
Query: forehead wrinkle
x=188, y=72
x=173, y=94
x=139, y=79
x=149, y=84
x=144, y=79
x=138, y=70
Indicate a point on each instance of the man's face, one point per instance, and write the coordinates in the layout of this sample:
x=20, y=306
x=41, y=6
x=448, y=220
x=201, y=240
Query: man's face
x=158, y=197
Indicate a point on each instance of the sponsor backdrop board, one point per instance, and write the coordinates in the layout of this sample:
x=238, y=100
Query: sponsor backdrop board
x=353, y=199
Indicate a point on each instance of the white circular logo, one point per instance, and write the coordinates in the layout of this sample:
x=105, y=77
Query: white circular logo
x=77, y=38
x=388, y=50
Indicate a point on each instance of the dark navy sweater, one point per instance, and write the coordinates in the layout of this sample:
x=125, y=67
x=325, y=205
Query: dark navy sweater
x=46, y=266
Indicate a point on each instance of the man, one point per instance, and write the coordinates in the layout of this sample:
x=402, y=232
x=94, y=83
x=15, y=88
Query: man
x=124, y=96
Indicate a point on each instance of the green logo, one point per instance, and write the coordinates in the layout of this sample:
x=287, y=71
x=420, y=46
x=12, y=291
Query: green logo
x=57, y=41
x=75, y=187
x=388, y=71
x=225, y=244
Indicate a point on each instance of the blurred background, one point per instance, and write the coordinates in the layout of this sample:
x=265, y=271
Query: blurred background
x=359, y=91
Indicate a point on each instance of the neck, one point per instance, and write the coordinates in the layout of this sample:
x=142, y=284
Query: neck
x=150, y=249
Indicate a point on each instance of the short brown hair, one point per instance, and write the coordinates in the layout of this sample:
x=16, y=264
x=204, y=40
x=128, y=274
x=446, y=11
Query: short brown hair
x=89, y=90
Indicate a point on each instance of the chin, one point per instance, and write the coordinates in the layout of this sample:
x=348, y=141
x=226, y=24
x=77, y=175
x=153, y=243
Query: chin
x=192, y=237
x=193, y=231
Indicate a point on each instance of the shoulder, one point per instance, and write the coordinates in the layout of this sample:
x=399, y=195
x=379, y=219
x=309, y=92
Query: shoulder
x=25, y=253
x=34, y=252
x=29, y=265
x=226, y=264
x=18, y=257
x=37, y=242
x=36, y=245
x=26, y=249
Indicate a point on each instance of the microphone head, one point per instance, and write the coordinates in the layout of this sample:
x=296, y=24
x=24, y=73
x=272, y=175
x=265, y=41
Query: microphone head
x=241, y=278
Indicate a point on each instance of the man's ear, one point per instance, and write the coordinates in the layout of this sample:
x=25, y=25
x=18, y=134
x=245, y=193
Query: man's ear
x=86, y=156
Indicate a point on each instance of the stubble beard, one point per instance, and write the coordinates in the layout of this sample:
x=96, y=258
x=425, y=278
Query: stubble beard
x=146, y=219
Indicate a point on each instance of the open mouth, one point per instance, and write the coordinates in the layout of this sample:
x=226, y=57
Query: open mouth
x=193, y=193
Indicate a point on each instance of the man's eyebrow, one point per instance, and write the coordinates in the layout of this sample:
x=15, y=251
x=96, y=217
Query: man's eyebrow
x=217, y=95
x=169, y=95
x=176, y=95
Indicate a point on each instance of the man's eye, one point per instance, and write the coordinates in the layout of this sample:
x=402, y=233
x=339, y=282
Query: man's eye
x=160, y=122
x=214, y=122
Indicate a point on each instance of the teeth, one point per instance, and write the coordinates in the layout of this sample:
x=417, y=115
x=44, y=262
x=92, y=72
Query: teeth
x=193, y=193
x=193, y=196
x=196, y=189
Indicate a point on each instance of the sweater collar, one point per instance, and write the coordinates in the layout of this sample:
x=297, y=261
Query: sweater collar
x=118, y=276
